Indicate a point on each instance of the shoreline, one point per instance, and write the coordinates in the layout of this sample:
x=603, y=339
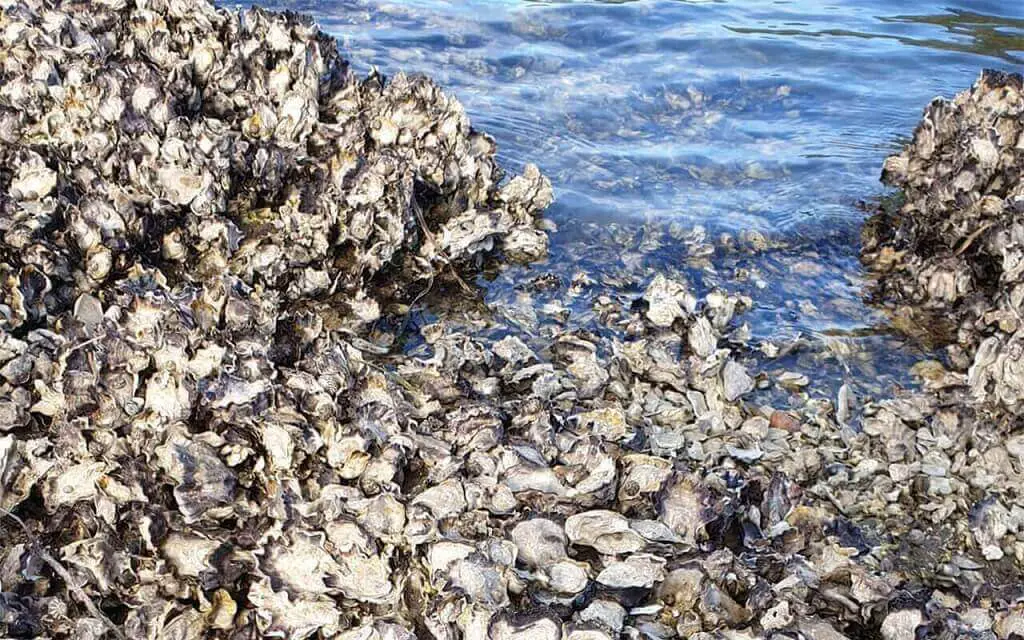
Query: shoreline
x=212, y=235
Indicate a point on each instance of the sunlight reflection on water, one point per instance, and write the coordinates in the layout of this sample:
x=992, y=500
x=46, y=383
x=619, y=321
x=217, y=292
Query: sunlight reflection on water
x=733, y=115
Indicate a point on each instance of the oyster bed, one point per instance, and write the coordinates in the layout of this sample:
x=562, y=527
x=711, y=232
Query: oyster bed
x=952, y=257
x=214, y=235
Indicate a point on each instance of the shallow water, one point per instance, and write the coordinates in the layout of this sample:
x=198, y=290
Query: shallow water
x=729, y=115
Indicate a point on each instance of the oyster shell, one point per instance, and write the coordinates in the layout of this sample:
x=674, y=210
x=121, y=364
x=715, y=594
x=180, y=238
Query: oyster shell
x=606, y=531
x=641, y=571
x=540, y=542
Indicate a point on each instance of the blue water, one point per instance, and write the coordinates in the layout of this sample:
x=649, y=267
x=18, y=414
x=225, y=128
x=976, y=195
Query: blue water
x=725, y=115
x=741, y=114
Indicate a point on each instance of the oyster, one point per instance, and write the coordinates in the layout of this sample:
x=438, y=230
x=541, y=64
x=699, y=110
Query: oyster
x=636, y=571
x=606, y=531
x=540, y=542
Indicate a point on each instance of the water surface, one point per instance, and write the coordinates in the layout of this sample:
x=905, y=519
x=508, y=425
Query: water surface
x=727, y=116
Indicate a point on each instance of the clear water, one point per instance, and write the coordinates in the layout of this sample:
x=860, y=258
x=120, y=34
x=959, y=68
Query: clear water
x=730, y=115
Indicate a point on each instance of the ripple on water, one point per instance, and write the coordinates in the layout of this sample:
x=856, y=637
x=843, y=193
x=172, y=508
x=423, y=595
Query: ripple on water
x=729, y=115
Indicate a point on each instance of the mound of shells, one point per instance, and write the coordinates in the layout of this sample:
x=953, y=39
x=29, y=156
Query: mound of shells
x=212, y=237
x=954, y=250
x=947, y=262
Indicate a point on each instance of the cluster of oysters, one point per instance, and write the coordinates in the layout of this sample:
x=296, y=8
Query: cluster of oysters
x=213, y=234
x=946, y=256
x=949, y=256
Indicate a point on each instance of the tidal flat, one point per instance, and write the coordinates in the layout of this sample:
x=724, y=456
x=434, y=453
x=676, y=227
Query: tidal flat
x=593, y=331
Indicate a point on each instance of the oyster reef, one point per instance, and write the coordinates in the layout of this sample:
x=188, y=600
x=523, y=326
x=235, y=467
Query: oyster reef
x=220, y=419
